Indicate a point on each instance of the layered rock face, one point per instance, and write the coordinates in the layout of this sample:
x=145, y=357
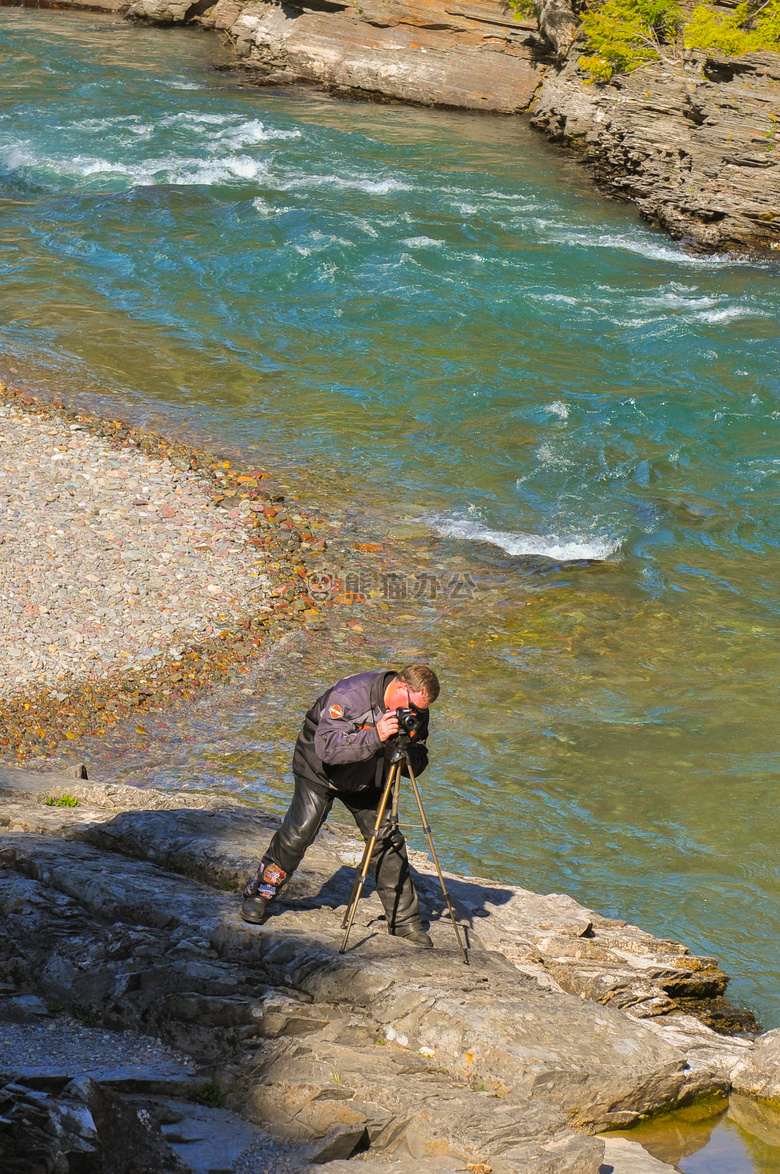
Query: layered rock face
x=472, y=55
x=123, y=909
x=692, y=144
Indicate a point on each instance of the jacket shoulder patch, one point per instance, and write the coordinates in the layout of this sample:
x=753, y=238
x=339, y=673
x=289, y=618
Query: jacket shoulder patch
x=336, y=712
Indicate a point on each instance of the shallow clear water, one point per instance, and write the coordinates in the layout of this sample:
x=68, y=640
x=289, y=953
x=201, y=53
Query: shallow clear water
x=710, y=1137
x=420, y=315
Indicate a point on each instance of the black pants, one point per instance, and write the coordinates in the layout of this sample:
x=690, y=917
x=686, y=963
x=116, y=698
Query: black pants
x=306, y=815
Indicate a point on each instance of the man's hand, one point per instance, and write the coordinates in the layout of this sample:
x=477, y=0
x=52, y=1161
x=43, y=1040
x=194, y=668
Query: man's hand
x=387, y=725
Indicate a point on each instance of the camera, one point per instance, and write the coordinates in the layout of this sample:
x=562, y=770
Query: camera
x=409, y=722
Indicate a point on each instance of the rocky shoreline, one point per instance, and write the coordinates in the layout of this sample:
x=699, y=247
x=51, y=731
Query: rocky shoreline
x=185, y=564
x=121, y=913
x=691, y=143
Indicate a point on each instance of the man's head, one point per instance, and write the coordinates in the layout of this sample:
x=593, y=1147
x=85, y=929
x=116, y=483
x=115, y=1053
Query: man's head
x=416, y=685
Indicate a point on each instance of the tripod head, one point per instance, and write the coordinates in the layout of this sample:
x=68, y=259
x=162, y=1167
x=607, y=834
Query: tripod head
x=410, y=723
x=398, y=748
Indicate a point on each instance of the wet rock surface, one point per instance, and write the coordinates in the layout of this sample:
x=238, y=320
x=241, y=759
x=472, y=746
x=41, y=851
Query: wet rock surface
x=622, y=1156
x=129, y=918
x=758, y=1074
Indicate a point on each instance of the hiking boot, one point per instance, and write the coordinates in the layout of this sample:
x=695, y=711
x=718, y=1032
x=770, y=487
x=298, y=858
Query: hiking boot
x=414, y=934
x=261, y=890
x=254, y=909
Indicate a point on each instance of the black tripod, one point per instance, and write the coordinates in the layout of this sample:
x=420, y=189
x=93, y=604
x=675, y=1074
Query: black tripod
x=392, y=788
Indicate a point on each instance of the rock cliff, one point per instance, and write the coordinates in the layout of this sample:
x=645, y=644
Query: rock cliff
x=123, y=911
x=692, y=143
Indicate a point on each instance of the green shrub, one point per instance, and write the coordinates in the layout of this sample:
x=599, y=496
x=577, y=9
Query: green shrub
x=624, y=34
x=211, y=1094
x=523, y=9
x=746, y=29
x=63, y=801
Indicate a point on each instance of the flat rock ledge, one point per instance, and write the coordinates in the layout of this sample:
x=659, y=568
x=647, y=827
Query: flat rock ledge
x=470, y=54
x=122, y=912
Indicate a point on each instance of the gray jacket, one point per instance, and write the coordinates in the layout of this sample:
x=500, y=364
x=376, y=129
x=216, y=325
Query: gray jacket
x=339, y=748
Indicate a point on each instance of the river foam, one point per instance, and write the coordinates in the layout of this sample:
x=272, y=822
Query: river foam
x=560, y=548
x=642, y=245
x=171, y=169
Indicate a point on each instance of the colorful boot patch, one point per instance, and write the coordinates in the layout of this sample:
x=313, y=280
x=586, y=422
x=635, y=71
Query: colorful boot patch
x=266, y=882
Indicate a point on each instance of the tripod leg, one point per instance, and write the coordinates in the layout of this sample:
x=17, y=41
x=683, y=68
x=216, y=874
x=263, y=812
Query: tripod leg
x=435, y=858
x=365, y=863
x=365, y=860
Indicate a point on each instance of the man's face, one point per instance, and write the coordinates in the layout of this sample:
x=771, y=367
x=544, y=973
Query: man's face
x=400, y=697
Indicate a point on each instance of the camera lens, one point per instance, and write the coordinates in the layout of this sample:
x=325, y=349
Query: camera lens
x=408, y=721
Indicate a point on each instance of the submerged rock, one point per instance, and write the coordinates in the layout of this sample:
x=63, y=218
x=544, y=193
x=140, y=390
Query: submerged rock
x=622, y=1156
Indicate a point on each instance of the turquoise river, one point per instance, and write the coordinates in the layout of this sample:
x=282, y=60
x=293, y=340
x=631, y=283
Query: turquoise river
x=430, y=325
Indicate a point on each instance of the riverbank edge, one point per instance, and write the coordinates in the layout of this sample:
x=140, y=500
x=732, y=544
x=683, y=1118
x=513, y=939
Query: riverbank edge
x=676, y=139
x=33, y=723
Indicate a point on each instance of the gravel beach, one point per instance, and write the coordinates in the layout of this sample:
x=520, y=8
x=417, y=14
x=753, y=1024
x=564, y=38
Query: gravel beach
x=108, y=558
x=133, y=570
x=59, y=1041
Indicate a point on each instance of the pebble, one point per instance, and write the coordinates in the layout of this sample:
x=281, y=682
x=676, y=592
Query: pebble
x=270, y=1155
x=134, y=570
x=90, y=577
x=64, y=1041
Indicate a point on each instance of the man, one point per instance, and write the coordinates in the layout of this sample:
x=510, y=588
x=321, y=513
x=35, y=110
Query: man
x=340, y=754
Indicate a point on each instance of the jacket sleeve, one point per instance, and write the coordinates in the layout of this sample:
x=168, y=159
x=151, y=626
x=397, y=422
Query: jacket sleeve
x=336, y=740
